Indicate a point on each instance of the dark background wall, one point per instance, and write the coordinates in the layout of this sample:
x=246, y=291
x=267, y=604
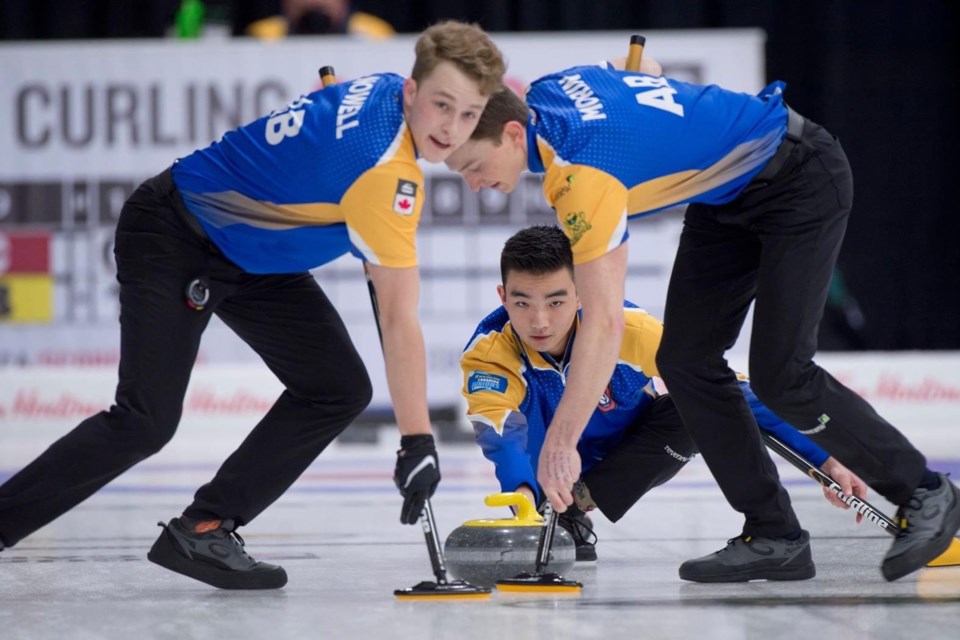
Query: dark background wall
x=881, y=75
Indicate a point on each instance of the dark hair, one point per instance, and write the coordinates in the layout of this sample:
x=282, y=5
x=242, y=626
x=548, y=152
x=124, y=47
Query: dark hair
x=536, y=250
x=503, y=106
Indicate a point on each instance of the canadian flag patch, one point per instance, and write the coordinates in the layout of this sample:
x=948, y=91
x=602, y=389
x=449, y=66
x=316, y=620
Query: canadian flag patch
x=405, y=200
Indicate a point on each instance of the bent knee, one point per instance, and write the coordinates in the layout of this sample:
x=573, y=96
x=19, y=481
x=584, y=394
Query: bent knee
x=363, y=393
x=774, y=385
x=146, y=433
x=358, y=393
x=683, y=365
x=669, y=362
x=351, y=392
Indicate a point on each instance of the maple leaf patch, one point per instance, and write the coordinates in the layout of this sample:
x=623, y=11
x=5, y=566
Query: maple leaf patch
x=405, y=199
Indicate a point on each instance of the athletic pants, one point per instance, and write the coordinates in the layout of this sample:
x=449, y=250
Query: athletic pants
x=286, y=319
x=654, y=448
x=776, y=244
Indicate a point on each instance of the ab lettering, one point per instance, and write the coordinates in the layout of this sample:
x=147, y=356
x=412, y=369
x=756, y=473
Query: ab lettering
x=659, y=94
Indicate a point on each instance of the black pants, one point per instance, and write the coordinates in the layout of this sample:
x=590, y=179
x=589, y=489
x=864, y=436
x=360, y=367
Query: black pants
x=654, y=448
x=777, y=244
x=286, y=319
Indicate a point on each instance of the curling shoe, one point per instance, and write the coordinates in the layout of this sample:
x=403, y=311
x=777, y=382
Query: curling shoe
x=215, y=557
x=578, y=524
x=927, y=523
x=748, y=558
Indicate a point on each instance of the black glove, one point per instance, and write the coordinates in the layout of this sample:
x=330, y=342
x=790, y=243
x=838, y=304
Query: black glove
x=417, y=474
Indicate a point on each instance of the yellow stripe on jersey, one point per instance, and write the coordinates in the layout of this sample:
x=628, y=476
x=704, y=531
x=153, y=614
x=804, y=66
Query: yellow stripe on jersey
x=401, y=148
x=591, y=207
x=380, y=212
x=685, y=185
x=226, y=208
x=547, y=155
x=641, y=339
x=493, y=357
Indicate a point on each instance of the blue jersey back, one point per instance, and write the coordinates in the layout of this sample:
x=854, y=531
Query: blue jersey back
x=615, y=144
x=640, y=128
x=271, y=193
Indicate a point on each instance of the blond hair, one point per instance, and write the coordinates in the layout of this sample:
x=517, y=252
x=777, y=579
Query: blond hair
x=467, y=47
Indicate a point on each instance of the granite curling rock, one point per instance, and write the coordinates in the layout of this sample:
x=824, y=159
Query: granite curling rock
x=484, y=551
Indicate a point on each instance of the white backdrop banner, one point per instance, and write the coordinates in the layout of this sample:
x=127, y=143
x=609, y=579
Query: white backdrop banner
x=919, y=393
x=81, y=124
x=92, y=109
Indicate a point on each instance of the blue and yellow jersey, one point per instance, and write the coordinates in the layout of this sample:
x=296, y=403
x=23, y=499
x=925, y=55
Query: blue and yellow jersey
x=333, y=172
x=512, y=393
x=615, y=144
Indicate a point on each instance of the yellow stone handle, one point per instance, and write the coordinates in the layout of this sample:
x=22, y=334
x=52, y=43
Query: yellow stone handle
x=526, y=512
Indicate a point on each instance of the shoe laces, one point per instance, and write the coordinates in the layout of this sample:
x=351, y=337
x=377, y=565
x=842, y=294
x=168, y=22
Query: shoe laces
x=579, y=528
x=234, y=537
x=239, y=543
x=742, y=538
x=914, y=504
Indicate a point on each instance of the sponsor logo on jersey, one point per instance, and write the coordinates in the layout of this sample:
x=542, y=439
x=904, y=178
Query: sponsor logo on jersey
x=584, y=99
x=607, y=403
x=482, y=381
x=565, y=189
x=576, y=225
x=405, y=199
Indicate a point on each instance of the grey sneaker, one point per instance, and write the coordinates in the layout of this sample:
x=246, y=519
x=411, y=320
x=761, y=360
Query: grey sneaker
x=578, y=524
x=928, y=523
x=747, y=558
x=216, y=557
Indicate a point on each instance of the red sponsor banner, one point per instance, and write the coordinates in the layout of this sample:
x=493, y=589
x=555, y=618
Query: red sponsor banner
x=30, y=400
x=902, y=388
x=25, y=252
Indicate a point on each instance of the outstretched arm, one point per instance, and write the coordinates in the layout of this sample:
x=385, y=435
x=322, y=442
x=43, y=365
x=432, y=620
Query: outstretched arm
x=600, y=284
x=507, y=450
x=398, y=295
x=769, y=421
x=849, y=482
x=417, y=472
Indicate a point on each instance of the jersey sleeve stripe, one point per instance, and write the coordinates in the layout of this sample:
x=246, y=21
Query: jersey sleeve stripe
x=402, y=139
x=684, y=186
x=368, y=254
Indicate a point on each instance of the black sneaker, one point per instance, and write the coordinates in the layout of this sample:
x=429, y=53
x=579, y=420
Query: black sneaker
x=748, y=558
x=578, y=524
x=927, y=526
x=215, y=557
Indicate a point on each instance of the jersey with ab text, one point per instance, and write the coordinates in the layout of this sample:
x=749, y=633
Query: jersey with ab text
x=615, y=144
x=333, y=172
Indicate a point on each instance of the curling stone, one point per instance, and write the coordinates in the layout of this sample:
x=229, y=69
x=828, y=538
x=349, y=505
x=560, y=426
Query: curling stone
x=484, y=551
